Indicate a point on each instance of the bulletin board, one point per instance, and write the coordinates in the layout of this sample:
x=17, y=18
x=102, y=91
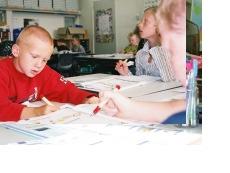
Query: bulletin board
x=151, y=3
x=104, y=28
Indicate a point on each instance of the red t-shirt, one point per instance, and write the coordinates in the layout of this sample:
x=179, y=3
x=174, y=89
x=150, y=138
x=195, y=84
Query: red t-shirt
x=16, y=88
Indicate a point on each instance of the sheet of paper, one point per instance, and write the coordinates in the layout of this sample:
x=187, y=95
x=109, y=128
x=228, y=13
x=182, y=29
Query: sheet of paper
x=68, y=114
x=96, y=134
x=73, y=124
x=150, y=88
x=86, y=78
x=163, y=96
x=7, y=135
x=33, y=104
x=108, y=83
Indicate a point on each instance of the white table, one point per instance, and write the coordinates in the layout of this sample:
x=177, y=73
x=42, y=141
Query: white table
x=140, y=85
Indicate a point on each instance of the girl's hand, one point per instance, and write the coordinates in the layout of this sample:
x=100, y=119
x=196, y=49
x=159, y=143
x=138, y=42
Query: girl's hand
x=122, y=68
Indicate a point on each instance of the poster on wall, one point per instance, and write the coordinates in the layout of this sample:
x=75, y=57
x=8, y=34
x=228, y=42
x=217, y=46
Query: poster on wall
x=104, y=28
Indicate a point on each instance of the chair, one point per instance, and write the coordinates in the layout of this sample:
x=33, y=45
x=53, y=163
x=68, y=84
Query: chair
x=192, y=38
x=65, y=64
x=6, y=47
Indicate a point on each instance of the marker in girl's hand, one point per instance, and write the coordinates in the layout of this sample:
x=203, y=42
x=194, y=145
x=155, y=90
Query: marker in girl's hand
x=127, y=63
x=103, y=103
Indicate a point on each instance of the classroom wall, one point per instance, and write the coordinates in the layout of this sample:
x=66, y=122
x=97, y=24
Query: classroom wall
x=127, y=13
x=86, y=19
x=49, y=21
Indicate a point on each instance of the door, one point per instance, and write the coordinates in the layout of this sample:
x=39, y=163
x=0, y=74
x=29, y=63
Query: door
x=104, y=27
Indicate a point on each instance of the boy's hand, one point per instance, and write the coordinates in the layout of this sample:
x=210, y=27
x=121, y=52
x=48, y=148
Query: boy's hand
x=46, y=109
x=91, y=100
x=29, y=112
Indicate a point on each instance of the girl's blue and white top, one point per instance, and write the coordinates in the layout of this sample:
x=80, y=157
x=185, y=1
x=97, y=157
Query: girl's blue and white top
x=155, y=61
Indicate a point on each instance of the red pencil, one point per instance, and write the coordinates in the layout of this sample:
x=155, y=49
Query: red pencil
x=103, y=103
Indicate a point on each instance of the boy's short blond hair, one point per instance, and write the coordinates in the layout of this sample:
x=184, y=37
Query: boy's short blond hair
x=37, y=31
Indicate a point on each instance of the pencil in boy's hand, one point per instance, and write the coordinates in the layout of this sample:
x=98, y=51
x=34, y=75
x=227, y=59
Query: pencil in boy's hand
x=103, y=103
x=47, y=101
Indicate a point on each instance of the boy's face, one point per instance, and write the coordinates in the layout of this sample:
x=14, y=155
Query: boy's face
x=31, y=55
x=134, y=40
x=147, y=25
x=76, y=42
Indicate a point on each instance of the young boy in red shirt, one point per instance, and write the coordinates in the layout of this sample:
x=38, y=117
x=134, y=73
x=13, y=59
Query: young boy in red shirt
x=26, y=77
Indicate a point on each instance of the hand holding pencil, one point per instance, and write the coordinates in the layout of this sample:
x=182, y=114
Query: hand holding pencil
x=104, y=102
x=122, y=67
x=114, y=103
x=29, y=112
x=48, y=108
x=47, y=101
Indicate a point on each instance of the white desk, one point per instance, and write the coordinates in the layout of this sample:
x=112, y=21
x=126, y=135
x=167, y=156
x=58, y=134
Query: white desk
x=10, y=136
x=108, y=56
x=172, y=94
x=92, y=134
x=131, y=86
x=84, y=78
x=80, y=128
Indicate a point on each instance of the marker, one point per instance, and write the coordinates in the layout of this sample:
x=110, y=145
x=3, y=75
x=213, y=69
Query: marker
x=47, y=101
x=103, y=103
x=125, y=61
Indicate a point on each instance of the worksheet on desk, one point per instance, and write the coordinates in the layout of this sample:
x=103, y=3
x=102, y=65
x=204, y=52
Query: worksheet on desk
x=77, y=80
x=108, y=83
x=172, y=94
x=94, y=134
x=75, y=125
x=68, y=114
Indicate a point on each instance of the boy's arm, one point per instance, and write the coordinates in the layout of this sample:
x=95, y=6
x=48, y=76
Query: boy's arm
x=59, y=89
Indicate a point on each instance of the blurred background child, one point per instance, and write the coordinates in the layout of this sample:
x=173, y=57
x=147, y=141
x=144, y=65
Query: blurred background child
x=152, y=59
x=133, y=44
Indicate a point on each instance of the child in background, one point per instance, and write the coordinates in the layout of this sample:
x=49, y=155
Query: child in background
x=26, y=77
x=76, y=46
x=133, y=44
x=152, y=59
x=142, y=40
x=171, y=18
x=5, y=49
x=61, y=46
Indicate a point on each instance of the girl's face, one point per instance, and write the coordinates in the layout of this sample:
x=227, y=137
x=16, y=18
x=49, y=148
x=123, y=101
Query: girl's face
x=147, y=25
